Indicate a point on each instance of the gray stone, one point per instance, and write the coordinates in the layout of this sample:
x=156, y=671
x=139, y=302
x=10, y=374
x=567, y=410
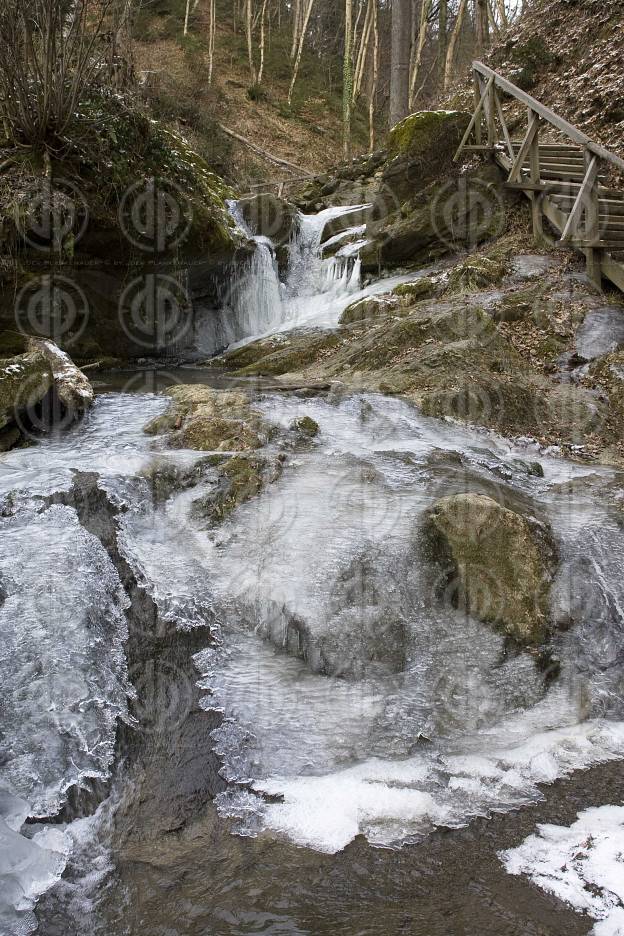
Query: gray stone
x=601, y=333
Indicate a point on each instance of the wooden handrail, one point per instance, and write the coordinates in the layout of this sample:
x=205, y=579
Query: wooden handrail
x=549, y=116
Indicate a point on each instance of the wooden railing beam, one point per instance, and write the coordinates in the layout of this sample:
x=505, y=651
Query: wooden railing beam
x=546, y=114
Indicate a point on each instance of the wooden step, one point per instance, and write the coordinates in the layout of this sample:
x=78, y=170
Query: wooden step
x=605, y=206
x=552, y=147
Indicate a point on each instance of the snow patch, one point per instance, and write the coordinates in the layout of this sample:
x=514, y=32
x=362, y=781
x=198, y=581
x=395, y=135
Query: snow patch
x=582, y=864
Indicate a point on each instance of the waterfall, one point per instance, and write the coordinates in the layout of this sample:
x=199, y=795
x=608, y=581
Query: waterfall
x=315, y=290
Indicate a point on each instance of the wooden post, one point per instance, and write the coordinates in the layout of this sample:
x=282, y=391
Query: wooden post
x=490, y=115
x=477, y=100
x=536, y=197
x=593, y=255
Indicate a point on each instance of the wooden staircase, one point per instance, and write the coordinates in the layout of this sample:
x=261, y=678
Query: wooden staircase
x=567, y=177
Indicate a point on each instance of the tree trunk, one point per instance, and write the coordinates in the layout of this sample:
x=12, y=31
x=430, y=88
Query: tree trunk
x=211, y=38
x=450, y=55
x=442, y=37
x=420, y=45
x=262, y=26
x=347, y=93
x=373, y=93
x=300, y=50
x=400, y=61
x=249, y=35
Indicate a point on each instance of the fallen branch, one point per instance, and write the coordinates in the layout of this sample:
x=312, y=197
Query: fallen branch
x=265, y=154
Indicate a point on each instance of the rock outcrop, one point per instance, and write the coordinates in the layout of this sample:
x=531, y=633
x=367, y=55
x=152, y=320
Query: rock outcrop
x=33, y=370
x=498, y=564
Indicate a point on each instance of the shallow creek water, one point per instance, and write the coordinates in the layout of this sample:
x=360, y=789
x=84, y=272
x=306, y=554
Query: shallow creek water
x=365, y=788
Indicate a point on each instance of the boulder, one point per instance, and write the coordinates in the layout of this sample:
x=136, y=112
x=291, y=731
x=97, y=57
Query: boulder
x=208, y=420
x=372, y=307
x=421, y=148
x=269, y=216
x=72, y=387
x=499, y=564
x=437, y=219
x=601, y=333
x=24, y=381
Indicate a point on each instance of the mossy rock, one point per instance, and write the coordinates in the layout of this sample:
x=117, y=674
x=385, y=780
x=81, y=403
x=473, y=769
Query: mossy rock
x=306, y=426
x=518, y=305
x=422, y=288
x=24, y=382
x=372, y=307
x=205, y=433
x=422, y=133
x=475, y=273
x=420, y=149
x=499, y=564
x=208, y=420
x=293, y=354
x=241, y=478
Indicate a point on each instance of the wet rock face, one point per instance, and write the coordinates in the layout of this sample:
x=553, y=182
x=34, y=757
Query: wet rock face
x=500, y=564
x=269, y=216
x=413, y=223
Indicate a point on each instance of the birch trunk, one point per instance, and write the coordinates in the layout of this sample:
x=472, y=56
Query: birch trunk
x=300, y=50
x=347, y=96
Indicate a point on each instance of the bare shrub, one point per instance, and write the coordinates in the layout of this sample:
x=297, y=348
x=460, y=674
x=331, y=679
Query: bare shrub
x=50, y=52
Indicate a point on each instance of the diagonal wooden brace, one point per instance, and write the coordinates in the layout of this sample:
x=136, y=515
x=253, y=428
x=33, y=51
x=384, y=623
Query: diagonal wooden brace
x=474, y=117
x=577, y=208
x=525, y=146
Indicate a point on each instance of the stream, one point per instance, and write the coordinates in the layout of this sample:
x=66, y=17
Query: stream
x=173, y=763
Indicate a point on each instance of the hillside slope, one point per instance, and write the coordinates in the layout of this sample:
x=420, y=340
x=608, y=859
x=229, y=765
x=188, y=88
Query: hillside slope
x=173, y=71
x=569, y=54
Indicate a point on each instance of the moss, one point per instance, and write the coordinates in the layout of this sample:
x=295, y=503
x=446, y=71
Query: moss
x=501, y=563
x=422, y=288
x=475, y=273
x=372, y=307
x=241, y=478
x=209, y=420
x=206, y=433
x=418, y=132
x=296, y=353
x=306, y=426
x=24, y=381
